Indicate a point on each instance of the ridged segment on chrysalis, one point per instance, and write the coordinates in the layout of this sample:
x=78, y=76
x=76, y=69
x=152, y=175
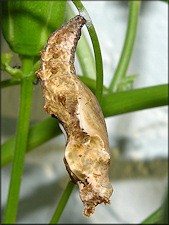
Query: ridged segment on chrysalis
x=87, y=154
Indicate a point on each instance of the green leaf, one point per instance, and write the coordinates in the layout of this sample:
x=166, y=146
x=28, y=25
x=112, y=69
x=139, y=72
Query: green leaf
x=5, y=60
x=160, y=216
x=154, y=218
x=165, y=1
x=126, y=83
x=27, y=24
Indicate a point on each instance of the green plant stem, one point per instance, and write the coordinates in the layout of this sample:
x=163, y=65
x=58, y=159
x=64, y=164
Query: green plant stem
x=15, y=73
x=97, y=51
x=63, y=201
x=20, y=143
x=134, y=100
x=113, y=104
x=120, y=72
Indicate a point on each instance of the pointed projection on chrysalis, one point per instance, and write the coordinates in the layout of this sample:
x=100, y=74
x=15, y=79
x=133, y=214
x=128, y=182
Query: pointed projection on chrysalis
x=87, y=154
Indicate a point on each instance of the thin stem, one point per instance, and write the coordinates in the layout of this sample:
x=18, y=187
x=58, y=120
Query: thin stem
x=63, y=201
x=133, y=100
x=20, y=143
x=15, y=73
x=97, y=51
x=120, y=72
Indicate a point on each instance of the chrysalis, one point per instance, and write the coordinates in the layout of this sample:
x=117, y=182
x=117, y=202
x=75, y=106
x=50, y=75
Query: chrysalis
x=87, y=154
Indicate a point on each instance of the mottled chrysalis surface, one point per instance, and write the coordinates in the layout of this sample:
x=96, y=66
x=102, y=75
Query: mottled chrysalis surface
x=87, y=154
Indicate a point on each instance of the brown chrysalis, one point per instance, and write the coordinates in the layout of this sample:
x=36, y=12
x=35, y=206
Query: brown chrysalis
x=87, y=154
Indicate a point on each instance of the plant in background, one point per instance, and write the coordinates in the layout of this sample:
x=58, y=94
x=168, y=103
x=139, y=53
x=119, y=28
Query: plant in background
x=26, y=26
